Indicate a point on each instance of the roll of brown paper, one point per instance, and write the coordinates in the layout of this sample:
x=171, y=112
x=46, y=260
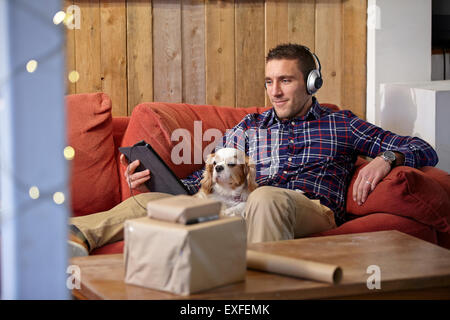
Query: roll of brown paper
x=293, y=267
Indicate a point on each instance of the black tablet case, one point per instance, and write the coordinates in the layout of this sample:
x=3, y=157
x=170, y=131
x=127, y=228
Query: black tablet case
x=162, y=178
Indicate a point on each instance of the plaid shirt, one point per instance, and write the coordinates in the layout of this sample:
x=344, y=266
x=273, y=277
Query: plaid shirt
x=315, y=153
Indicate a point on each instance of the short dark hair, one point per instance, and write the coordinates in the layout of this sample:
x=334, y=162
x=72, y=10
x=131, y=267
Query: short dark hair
x=291, y=51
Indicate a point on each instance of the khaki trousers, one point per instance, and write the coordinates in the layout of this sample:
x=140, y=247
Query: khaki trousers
x=271, y=214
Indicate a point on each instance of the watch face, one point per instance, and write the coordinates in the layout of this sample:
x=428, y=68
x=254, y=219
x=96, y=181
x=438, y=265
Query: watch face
x=389, y=155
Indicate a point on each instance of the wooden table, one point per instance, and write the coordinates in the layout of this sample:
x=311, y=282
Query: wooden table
x=409, y=268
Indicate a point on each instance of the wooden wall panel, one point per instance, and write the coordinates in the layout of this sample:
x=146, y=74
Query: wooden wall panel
x=328, y=40
x=70, y=52
x=193, y=49
x=212, y=51
x=354, y=51
x=114, y=54
x=301, y=22
x=167, y=50
x=277, y=27
x=139, y=52
x=88, y=48
x=220, y=73
x=250, y=53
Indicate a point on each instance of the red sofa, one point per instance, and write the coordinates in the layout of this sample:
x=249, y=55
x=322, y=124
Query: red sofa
x=413, y=201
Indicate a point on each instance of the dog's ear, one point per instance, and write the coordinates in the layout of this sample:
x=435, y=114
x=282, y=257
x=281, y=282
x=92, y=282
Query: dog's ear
x=251, y=174
x=207, y=181
x=210, y=159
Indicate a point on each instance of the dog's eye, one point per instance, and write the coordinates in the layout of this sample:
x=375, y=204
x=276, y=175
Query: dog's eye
x=231, y=164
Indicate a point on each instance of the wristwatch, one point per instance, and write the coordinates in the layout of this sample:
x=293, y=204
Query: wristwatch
x=389, y=157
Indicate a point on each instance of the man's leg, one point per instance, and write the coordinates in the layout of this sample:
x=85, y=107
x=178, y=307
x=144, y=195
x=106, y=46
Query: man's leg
x=275, y=214
x=106, y=227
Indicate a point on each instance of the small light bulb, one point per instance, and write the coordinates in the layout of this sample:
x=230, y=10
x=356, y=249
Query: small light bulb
x=34, y=192
x=58, y=197
x=69, y=153
x=74, y=76
x=59, y=17
x=32, y=65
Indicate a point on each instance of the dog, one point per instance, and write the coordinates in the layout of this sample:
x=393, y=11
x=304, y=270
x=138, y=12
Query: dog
x=229, y=177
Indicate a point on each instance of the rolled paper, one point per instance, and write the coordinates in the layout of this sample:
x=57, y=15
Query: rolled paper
x=293, y=267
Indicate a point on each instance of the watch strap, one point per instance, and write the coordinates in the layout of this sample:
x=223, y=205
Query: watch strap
x=386, y=158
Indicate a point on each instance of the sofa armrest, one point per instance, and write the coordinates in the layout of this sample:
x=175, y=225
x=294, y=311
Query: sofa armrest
x=407, y=192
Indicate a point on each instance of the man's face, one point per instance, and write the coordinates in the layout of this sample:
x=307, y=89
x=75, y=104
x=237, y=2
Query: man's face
x=286, y=89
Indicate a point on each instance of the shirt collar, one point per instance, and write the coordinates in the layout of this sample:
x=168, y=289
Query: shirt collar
x=313, y=113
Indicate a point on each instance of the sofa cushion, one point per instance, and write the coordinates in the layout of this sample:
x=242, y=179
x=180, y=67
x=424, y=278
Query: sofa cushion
x=406, y=192
x=94, y=178
x=157, y=122
x=382, y=222
x=440, y=176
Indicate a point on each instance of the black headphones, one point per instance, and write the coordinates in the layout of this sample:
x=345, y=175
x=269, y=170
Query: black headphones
x=314, y=80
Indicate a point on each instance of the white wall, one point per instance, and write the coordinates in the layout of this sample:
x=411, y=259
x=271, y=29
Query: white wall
x=421, y=110
x=398, y=46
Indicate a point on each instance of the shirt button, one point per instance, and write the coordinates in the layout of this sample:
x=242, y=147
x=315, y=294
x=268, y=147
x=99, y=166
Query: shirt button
x=291, y=141
x=290, y=159
x=285, y=172
x=293, y=123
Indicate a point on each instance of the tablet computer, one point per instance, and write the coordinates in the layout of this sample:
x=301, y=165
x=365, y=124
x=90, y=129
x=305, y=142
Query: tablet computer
x=162, y=178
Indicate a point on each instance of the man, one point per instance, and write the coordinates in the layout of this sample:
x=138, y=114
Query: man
x=308, y=155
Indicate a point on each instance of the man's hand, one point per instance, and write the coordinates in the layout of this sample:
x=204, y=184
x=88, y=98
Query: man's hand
x=368, y=178
x=135, y=180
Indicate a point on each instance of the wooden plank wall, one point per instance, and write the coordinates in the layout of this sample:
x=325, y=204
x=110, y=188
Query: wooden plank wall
x=212, y=51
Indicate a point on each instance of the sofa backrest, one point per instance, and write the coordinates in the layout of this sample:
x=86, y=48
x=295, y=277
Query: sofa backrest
x=180, y=133
x=97, y=182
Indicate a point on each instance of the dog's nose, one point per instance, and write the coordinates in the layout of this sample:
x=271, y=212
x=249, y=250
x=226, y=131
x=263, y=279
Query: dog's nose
x=219, y=168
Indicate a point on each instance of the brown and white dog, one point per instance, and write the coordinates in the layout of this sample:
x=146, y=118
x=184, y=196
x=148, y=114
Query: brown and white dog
x=229, y=177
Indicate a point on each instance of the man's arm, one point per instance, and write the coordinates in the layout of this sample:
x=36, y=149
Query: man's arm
x=399, y=159
x=371, y=141
x=371, y=175
x=192, y=182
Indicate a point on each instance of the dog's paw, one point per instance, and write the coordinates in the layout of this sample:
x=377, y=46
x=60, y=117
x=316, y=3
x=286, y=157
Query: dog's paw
x=228, y=212
x=234, y=211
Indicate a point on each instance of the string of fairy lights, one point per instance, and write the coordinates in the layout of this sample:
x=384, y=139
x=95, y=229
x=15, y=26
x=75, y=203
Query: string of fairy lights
x=31, y=66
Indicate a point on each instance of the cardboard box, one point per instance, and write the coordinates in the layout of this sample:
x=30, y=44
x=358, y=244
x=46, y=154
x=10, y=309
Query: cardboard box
x=182, y=208
x=185, y=259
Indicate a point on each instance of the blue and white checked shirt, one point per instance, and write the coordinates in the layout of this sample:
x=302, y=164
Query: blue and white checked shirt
x=315, y=153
